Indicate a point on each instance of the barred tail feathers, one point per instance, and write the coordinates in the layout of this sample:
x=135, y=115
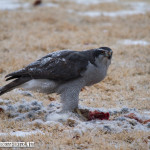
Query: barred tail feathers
x=10, y=86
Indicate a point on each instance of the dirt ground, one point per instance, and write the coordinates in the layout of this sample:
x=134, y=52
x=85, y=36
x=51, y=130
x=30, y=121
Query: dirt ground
x=26, y=35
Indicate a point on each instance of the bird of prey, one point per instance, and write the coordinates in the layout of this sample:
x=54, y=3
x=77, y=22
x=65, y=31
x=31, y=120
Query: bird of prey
x=64, y=72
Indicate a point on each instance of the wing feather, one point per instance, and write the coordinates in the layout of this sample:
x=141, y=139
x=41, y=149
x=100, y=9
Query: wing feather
x=61, y=65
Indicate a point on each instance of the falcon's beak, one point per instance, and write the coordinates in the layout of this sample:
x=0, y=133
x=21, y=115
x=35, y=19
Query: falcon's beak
x=109, y=54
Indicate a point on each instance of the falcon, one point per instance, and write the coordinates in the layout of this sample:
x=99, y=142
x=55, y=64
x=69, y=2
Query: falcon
x=64, y=72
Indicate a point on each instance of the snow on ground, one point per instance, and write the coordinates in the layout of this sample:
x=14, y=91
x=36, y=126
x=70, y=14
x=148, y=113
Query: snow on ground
x=12, y=5
x=15, y=4
x=4, y=101
x=21, y=133
x=135, y=42
x=147, y=112
x=23, y=110
x=88, y=2
x=136, y=8
x=50, y=115
x=24, y=93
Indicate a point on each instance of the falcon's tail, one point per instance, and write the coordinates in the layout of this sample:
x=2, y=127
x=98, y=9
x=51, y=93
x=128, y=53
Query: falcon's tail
x=10, y=86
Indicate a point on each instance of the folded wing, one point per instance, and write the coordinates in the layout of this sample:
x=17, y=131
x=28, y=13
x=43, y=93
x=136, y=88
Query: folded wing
x=61, y=66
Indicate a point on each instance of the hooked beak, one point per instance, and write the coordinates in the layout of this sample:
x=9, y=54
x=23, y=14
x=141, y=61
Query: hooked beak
x=109, y=54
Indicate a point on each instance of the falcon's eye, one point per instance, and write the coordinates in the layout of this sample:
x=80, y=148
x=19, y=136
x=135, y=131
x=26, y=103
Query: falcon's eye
x=102, y=52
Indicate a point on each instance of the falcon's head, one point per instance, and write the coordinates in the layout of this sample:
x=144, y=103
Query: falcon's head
x=105, y=52
x=103, y=55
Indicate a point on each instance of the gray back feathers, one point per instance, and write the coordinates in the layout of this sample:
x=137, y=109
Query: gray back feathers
x=61, y=66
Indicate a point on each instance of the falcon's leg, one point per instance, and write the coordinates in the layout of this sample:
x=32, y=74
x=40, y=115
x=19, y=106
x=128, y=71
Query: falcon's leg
x=70, y=99
x=69, y=93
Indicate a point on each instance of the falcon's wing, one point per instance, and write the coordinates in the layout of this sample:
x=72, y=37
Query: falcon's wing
x=61, y=65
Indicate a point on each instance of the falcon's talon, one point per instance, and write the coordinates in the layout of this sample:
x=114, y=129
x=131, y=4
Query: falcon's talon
x=80, y=114
x=63, y=72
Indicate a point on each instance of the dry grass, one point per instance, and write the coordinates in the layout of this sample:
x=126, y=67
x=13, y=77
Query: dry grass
x=26, y=36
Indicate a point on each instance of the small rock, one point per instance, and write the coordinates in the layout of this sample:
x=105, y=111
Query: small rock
x=34, y=103
x=107, y=129
x=71, y=122
x=31, y=115
x=36, y=108
x=133, y=122
x=124, y=110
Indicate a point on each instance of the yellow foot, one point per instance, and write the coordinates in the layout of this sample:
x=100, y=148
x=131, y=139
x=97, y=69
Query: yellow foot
x=83, y=113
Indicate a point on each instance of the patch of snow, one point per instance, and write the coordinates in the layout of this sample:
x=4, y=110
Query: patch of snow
x=49, y=5
x=137, y=8
x=90, y=13
x=4, y=101
x=12, y=5
x=39, y=121
x=140, y=7
x=120, y=13
x=88, y=2
x=109, y=126
x=25, y=93
x=112, y=111
x=23, y=110
x=110, y=14
x=146, y=112
x=48, y=123
x=21, y=133
x=50, y=115
x=119, y=124
x=15, y=4
x=58, y=117
x=135, y=42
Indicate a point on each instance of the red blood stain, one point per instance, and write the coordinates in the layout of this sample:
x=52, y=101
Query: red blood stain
x=98, y=115
x=133, y=116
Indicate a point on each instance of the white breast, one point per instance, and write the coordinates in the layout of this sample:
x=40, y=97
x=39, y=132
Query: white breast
x=95, y=74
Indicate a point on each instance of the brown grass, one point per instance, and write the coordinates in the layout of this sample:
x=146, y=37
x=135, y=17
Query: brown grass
x=27, y=36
